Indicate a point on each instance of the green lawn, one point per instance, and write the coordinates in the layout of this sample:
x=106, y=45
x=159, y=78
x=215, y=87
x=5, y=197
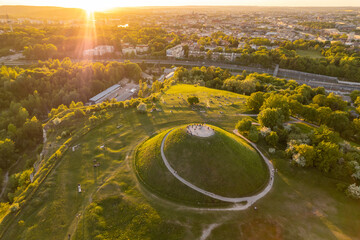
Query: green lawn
x=223, y=163
x=309, y=53
x=303, y=204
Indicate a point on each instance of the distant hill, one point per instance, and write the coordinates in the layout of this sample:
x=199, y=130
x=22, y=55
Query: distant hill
x=41, y=12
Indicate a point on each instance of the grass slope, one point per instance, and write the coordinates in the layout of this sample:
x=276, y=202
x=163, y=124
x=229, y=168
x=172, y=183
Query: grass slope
x=303, y=203
x=223, y=163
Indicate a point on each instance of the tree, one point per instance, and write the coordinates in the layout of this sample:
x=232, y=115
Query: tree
x=320, y=99
x=323, y=133
x=243, y=125
x=335, y=102
x=255, y=101
x=32, y=130
x=327, y=155
x=278, y=101
x=323, y=114
x=306, y=152
x=354, y=95
x=7, y=153
x=339, y=121
x=253, y=134
x=132, y=71
x=271, y=117
x=193, y=100
x=272, y=139
x=186, y=51
x=209, y=55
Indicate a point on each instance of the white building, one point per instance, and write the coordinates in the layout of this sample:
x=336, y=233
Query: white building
x=129, y=50
x=99, y=50
x=175, y=52
x=142, y=49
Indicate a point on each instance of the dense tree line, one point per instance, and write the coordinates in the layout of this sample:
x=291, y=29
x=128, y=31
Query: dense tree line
x=338, y=60
x=60, y=42
x=27, y=95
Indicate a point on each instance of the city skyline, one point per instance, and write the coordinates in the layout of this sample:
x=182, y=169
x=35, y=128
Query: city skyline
x=107, y=4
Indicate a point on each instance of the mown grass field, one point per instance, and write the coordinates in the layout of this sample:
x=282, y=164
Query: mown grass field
x=223, y=163
x=303, y=204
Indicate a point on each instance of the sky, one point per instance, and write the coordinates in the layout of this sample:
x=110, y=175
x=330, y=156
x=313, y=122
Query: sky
x=104, y=4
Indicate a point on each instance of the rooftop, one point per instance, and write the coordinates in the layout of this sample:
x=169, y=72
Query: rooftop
x=104, y=93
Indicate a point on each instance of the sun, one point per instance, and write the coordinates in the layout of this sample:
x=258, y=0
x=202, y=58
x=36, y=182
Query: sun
x=90, y=8
x=93, y=6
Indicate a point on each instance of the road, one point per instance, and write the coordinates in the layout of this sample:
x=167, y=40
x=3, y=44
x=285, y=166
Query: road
x=300, y=77
x=250, y=200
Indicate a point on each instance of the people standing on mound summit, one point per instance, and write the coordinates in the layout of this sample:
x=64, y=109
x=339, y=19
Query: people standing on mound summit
x=200, y=130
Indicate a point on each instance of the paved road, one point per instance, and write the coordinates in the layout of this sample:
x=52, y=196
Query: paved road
x=250, y=200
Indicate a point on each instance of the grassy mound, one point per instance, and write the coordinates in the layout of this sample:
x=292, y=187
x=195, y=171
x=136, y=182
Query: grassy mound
x=223, y=163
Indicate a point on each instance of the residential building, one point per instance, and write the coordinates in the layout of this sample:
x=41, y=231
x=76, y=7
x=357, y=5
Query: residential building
x=99, y=50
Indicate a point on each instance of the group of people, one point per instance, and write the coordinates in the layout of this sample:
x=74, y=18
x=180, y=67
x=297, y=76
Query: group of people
x=195, y=127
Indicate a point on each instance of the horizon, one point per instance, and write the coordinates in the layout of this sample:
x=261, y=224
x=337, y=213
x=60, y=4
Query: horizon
x=108, y=4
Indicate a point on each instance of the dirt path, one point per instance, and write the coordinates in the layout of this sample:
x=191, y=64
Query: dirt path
x=207, y=231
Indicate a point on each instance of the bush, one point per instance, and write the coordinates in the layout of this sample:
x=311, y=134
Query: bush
x=353, y=191
x=142, y=108
x=272, y=139
x=57, y=121
x=14, y=208
x=243, y=125
x=193, y=100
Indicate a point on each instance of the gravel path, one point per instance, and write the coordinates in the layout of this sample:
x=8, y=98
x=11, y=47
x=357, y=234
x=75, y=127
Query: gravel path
x=250, y=200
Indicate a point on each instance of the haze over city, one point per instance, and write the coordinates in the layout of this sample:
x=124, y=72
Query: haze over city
x=105, y=4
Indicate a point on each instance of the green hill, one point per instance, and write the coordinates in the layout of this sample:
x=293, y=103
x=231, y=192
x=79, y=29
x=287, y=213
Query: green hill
x=223, y=163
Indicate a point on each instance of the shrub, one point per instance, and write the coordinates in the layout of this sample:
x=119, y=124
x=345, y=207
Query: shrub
x=142, y=107
x=14, y=207
x=353, y=191
x=264, y=131
x=272, y=139
x=193, y=100
x=57, y=121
